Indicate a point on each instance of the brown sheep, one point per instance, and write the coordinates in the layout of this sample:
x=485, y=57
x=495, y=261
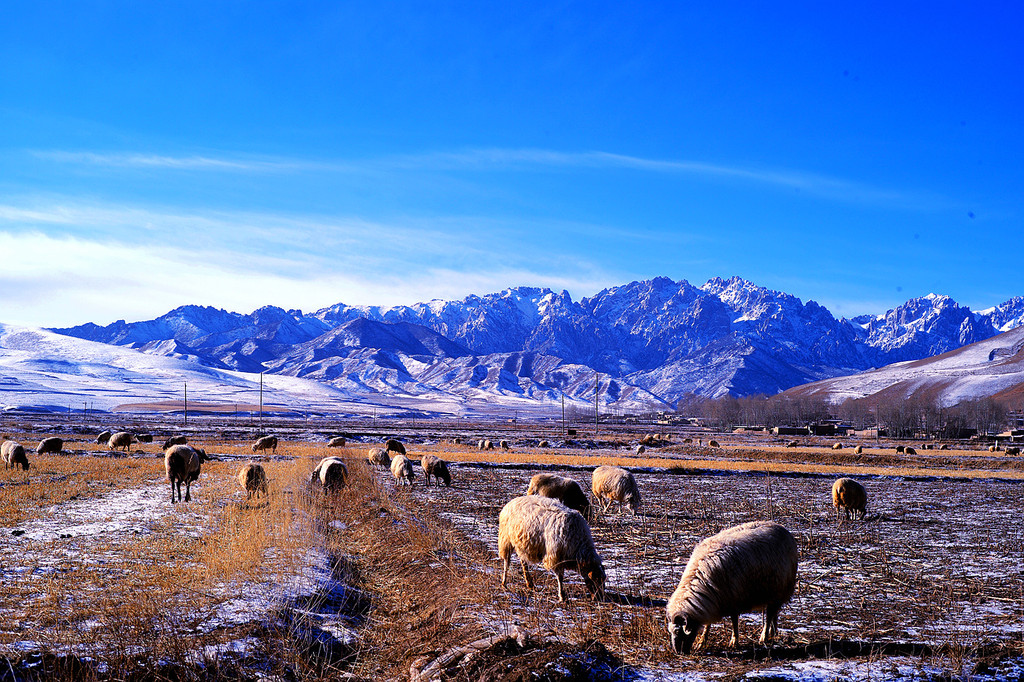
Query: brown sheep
x=253, y=480
x=859, y=450
x=337, y=442
x=265, y=443
x=909, y=451
x=52, y=445
x=174, y=440
x=837, y=446
x=849, y=496
x=713, y=444
x=332, y=474
x=183, y=464
x=615, y=484
x=121, y=439
x=565, y=490
x=378, y=457
x=103, y=437
x=436, y=467
x=393, y=445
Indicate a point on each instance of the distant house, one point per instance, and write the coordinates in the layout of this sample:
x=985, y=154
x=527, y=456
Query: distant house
x=830, y=427
x=791, y=431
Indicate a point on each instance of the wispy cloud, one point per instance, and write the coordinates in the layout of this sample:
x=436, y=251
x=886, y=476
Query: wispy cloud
x=498, y=159
x=71, y=263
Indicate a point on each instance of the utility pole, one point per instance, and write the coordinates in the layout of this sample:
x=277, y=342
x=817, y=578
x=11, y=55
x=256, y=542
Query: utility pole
x=563, y=415
x=186, y=403
x=261, y=403
x=597, y=392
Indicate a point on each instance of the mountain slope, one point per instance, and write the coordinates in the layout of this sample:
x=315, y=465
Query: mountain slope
x=993, y=367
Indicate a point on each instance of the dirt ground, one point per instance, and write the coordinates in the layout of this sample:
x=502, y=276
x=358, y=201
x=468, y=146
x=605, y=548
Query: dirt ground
x=933, y=572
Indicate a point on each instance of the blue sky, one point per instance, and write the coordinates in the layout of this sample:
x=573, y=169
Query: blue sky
x=238, y=154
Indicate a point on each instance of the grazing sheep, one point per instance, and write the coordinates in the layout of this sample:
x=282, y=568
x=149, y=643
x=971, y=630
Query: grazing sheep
x=909, y=451
x=183, y=463
x=611, y=483
x=436, y=467
x=378, y=457
x=565, y=490
x=900, y=449
x=488, y=445
x=649, y=439
x=253, y=479
x=174, y=440
x=13, y=455
x=713, y=444
x=121, y=439
x=103, y=437
x=480, y=445
x=401, y=468
x=944, y=446
x=1012, y=450
x=338, y=442
x=265, y=443
x=393, y=445
x=792, y=444
x=543, y=444
x=640, y=449
x=849, y=496
x=993, y=448
x=50, y=445
x=745, y=568
x=544, y=531
x=859, y=450
x=144, y=437
x=837, y=446
x=687, y=441
x=503, y=445
x=332, y=474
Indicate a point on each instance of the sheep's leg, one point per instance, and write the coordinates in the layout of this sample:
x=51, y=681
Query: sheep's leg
x=702, y=636
x=735, y=630
x=188, y=491
x=505, y=554
x=560, y=577
x=526, y=572
x=771, y=623
x=172, y=492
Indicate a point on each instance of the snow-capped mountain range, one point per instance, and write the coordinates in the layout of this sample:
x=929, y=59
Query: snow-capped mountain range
x=651, y=342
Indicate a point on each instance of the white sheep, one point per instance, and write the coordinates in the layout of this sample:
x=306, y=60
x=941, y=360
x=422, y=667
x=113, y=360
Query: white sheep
x=332, y=474
x=745, y=568
x=13, y=455
x=849, y=496
x=337, y=442
x=253, y=479
x=615, y=484
x=103, y=437
x=859, y=450
x=121, y=439
x=565, y=490
x=401, y=469
x=837, y=446
x=183, y=463
x=503, y=444
x=265, y=443
x=378, y=457
x=436, y=467
x=544, y=531
x=639, y=449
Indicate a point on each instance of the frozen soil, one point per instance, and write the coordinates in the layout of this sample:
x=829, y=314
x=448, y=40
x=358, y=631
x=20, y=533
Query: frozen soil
x=930, y=585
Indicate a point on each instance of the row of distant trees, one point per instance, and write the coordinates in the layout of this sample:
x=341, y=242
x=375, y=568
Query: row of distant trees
x=899, y=416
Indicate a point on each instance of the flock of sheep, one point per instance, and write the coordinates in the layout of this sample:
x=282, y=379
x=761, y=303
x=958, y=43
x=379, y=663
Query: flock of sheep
x=749, y=567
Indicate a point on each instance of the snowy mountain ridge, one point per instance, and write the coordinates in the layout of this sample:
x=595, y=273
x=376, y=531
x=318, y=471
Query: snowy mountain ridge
x=654, y=340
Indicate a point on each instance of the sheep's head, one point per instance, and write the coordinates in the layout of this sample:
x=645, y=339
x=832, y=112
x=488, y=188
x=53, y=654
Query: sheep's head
x=446, y=476
x=201, y=454
x=593, y=577
x=682, y=630
x=633, y=502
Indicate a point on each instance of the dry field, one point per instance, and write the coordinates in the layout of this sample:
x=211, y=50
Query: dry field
x=104, y=579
